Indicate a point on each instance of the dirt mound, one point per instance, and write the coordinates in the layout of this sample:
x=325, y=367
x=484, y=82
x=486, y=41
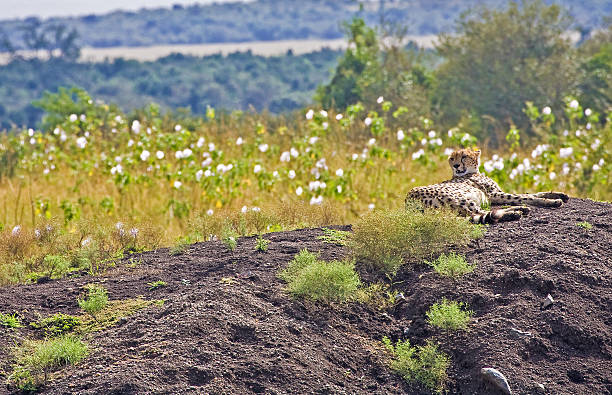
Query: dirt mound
x=227, y=326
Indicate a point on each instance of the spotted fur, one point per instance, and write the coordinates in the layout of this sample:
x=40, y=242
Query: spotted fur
x=469, y=192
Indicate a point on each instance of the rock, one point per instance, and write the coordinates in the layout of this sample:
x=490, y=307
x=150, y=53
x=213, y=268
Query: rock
x=520, y=333
x=547, y=302
x=539, y=388
x=495, y=377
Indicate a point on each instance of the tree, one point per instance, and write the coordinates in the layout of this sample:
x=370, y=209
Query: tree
x=378, y=64
x=498, y=60
x=595, y=87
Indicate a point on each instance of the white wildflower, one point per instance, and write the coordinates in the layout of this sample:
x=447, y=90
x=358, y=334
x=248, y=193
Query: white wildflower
x=210, y=212
x=339, y=172
x=81, y=142
x=199, y=174
x=309, y=114
x=323, y=113
x=566, y=152
x=177, y=128
x=257, y=169
x=367, y=121
x=316, y=200
x=177, y=184
x=588, y=112
x=291, y=174
x=211, y=147
x=73, y=117
x=313, y=140
x=16, y=230
x=299, y=191
x=355, y=156
x=371, y=206
x=144, y=155
x=159, y=155
x=285, y=156
x=200, y=142
x=574, y=104
x=380, y=99
x=294, y=152
x=552, y=175
x=206, y=162
x=546, y=110
x=338, y=117
x=371, y=142
x=431, y=134
x=239, y=141
x=596, y=167
x=400, y=135
x=136, y=126
x=187, y=153
x=339, y=188
x=263, y=147
x=416, y=155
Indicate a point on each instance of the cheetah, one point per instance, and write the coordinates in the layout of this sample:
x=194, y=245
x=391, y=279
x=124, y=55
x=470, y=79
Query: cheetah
x=469, y=191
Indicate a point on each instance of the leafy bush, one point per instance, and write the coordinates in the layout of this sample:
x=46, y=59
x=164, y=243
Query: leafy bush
x=57, y=324
x=314, y=279
x=384, y=239
x=261, y=244
x=452, y=265
x=97, y=299
x=424, y=364
x=449, y=315
x=333, y=236
x=36, y=358
x=156, y=284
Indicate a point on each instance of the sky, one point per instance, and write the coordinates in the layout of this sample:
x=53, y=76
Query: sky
x=11, y=9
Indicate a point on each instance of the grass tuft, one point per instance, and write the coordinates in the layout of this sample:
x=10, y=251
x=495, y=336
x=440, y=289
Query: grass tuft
x=385, y=239
x=261, y=244
x=452, y=265
x=35, y=359
x=585, y=225
x=97, y=299
x=424, y=364
x=449, y=315
x=10, y=320
x=317, y=280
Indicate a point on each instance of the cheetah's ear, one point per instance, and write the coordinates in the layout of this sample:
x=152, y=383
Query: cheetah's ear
x=477, y=151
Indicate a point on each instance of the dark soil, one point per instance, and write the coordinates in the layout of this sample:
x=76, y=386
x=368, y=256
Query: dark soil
x=227, y=326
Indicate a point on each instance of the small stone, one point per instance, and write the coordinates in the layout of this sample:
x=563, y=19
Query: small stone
x=122, y=321
x=520, y=333
x=495, y=377
x=547, y=302
x=539, y=388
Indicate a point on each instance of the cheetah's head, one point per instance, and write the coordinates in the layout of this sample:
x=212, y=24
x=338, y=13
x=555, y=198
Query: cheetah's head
x=464, y=161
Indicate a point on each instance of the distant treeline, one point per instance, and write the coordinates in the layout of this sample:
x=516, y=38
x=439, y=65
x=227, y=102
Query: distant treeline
x=272, y=20
x=237, y=81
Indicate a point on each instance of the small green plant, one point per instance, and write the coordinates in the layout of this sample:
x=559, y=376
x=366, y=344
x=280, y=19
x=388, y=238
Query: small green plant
x=425, y=364
x=181, y=245
x=156, y=284
x=261, y=244
x=333, y=236
x=585, y=225
x=97, y=299
x=56, y=265
x=10, y=320
x=313, y=279
x=451, y=265
x=57, y=324
x=228, y=237
x=35, y=359
x=385, y=239
x=377, y=295
x=449, y=315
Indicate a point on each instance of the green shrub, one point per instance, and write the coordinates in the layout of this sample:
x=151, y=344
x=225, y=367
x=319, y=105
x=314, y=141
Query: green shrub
x=452, y=265
x=424, y=364
x=585, y=225
x=261, y=244
x=334, y=281
x=35, y=359
x=384, y=239
x=10, y=320
x=449, y=315
x=57, y=324
x=97, y=299
x=56, y=265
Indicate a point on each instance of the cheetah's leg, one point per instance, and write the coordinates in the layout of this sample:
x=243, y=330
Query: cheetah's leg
x=517, y=200
x=499, y=215
x=552, y=195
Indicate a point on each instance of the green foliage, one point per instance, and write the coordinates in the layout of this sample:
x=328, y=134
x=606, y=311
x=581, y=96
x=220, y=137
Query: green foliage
x=261, y=244
x=97, y=299
x=384, y=239
x=56, y=265
x=334, y=236
x=424, y=364
x=156, y=284
x=489, y=64
x=181, y=245
x=10, y=320
x=585, y=225
x=449, y=315
x=317, y=280
x=35, y=359
x=57, y=324
x=228, y=237
x=452, y=265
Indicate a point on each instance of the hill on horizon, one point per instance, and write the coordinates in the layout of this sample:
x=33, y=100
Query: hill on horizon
x=268, y=20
